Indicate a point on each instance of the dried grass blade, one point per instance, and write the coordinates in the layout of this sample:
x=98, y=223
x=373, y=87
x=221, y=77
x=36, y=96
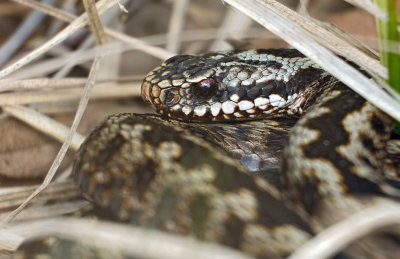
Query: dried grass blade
x=133, y=241
x=176, y=23
x=44, y=124
x=64, y=16
x=370, y=7
x=40, y=83
x=323, y=35
x=141, y=45
x=279, y=20
x=78, y=23
x=60, y=156
x=95, y=23
x=62, y=95
x=23, y=32
x=335, y=238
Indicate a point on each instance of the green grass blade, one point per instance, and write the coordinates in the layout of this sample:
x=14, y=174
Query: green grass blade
x=389, y=37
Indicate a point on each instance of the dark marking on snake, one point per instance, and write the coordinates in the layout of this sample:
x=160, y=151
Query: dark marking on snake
x=255, y=145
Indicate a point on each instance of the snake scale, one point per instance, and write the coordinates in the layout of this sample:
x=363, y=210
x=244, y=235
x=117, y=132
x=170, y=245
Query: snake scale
x=257, y=150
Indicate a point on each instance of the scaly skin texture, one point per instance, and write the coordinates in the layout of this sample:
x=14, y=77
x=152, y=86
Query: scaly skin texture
x=328, y=158
x=243, y=85
x=335, y=152
x=156, y=176
x=179, y=175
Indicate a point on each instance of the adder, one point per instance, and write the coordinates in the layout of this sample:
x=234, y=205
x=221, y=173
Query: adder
x=258, y=150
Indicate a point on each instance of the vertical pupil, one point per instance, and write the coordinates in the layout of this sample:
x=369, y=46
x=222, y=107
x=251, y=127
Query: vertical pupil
x=205, y=88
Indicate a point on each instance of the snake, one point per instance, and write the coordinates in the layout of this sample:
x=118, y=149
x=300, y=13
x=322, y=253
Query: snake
x=256, y=150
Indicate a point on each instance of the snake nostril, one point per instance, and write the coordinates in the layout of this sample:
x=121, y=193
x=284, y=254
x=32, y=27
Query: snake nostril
x=205, y=88
x=169, y=97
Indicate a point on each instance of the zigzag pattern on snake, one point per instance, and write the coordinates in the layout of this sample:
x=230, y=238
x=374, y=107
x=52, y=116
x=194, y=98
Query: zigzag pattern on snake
x=229, y=161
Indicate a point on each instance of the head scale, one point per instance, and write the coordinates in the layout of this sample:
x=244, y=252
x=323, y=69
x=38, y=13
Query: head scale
x=239, y=85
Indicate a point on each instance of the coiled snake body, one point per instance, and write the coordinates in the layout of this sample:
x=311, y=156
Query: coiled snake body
x=178, y=172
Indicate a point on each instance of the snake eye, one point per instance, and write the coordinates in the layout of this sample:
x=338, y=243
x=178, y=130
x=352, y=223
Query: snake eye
x=205, y=88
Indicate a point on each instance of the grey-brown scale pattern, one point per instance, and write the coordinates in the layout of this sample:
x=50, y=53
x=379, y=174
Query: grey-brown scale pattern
x=328, y=158
x=340, y=169
x=182, y=177
x=334, y=165
x=392, y=161
x=336, y=152
x=157, y=176
x=258, y=145
x=243, y=85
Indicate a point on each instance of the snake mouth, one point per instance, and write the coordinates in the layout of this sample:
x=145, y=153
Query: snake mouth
x=146, y=92
x=167, y=102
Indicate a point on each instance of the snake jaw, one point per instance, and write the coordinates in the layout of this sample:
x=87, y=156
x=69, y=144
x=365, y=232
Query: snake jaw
x=146, y=92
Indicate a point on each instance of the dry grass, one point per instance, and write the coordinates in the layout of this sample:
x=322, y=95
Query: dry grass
x=57, y=72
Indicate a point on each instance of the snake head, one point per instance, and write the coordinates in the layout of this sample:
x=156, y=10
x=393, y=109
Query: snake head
x=231, y=85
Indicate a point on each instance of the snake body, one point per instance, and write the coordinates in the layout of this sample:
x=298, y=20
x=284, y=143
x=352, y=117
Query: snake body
x=187, y=187
x=229, y=161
